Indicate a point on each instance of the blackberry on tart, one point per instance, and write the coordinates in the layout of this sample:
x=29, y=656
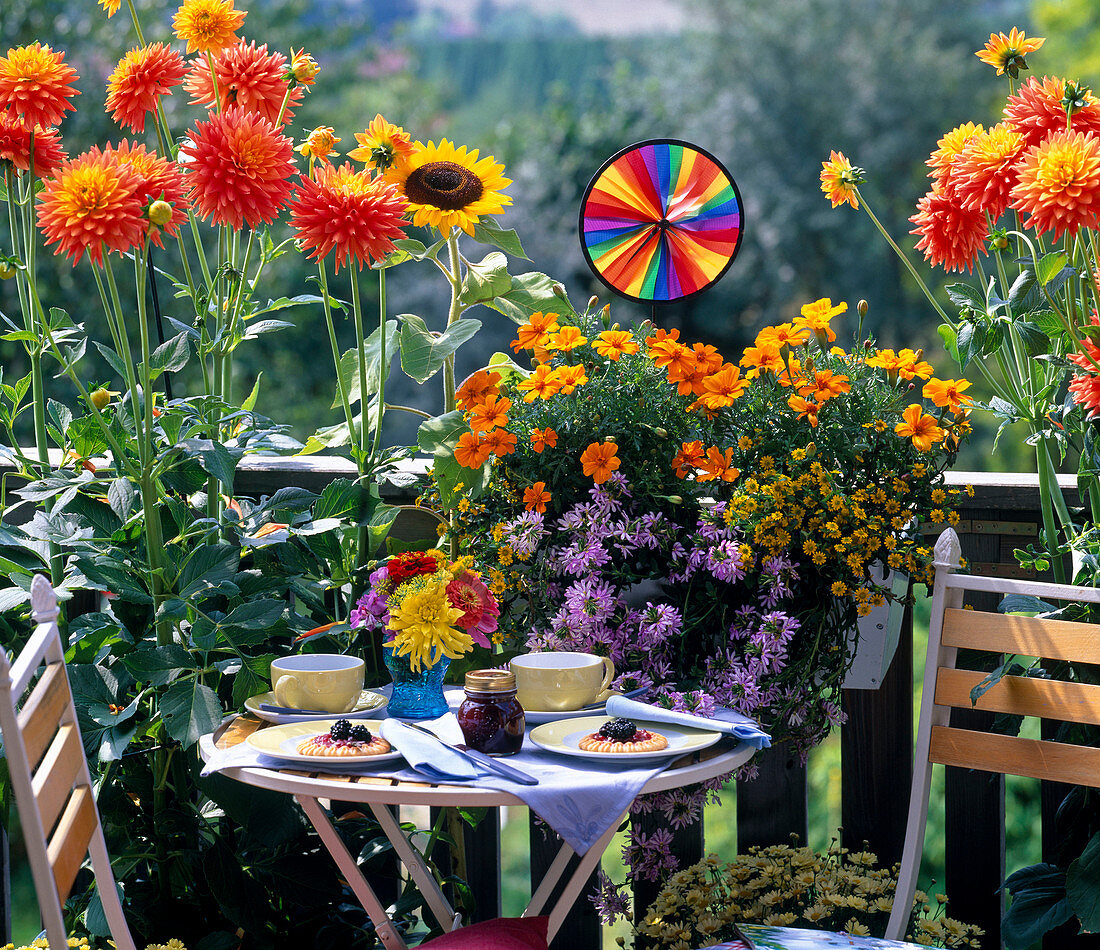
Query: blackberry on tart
x=623, y=736
x=343, y=740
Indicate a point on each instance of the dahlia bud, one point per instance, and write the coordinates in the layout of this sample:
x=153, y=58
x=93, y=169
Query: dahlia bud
x=303, y=67
x=675, y=500
x=160, y=213
x=100, y=398
x=661, y=433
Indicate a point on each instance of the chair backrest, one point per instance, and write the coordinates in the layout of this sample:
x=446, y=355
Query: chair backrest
x=49, y=774
x=946, y=687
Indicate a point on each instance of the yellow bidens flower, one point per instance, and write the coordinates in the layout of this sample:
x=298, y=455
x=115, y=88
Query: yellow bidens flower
x=207, y=26
x=1007, y=54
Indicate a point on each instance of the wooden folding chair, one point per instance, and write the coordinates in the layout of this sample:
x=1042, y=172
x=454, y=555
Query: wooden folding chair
x=49, y=773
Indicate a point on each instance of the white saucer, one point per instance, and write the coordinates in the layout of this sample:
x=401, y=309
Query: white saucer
x=536, y=717
x=370, y=705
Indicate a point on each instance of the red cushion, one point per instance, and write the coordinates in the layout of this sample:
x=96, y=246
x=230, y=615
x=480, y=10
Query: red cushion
x=503, y=933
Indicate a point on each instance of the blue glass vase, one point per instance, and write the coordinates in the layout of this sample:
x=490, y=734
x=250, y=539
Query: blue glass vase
x=416, y=694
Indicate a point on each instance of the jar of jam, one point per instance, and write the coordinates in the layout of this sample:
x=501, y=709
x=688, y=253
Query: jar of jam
x=490, y=716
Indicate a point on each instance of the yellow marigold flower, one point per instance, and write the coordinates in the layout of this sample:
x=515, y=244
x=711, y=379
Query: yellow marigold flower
x=840, y=180
x=320, y=143
x=207, y=26
x=1007, y=53
x=382, y=145
x=567, y=338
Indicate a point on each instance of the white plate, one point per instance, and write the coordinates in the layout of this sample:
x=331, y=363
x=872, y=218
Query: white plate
x=564, y=736
x=281, y=742
x=370, y=704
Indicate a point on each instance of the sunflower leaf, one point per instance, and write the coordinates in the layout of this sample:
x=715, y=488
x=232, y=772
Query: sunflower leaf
x=486, y=280
x=423, y=352
x=487, y=231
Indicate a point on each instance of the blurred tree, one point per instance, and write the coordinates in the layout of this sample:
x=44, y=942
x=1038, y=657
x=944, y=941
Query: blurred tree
x=1072, y=31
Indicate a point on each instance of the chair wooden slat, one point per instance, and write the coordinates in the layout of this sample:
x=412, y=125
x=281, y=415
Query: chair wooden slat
x=1023, y=696
x=1014, y=755
x=54, y=779
x=42, y=712
x=1027, y=636
x=1003, y=585
x=69, y=843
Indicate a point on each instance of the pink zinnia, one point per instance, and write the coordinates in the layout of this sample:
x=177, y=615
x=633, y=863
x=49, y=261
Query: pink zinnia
x=468, y=593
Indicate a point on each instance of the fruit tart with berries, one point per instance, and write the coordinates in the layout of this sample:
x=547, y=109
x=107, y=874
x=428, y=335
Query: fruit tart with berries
x=346, y=741
x=622, y=735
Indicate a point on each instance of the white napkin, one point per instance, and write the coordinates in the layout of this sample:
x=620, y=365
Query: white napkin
x=731, y=723
x=430, y=756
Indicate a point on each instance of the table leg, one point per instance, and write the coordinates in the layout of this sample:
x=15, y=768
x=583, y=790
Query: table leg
x=588, y=863
x=429, y=888
x=387, y=932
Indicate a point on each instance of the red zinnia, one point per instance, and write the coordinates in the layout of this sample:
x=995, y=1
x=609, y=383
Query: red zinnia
x=91, y=204
x=15, y=147
x=1059, y=184
x=1037, y=110
x=250, y=78
x=239, y=166
x=36, y=85
x=160, y=180
x=141, y=77
x=401, y=567
x=346, y=212
x=951, y=235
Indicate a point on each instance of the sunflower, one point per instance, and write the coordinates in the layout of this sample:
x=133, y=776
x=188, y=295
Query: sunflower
x=15, y=147
x=950, y=235
x=141, y=77
x=1037, y=110
x=92, y=203
x=449, y=187
x=1059, y=184
x=207, y=26
x=840, y=180
x=249, y=78
x=36, y=85
x=160, y=181
x=382, y=145
x=1007, y=54
x=239, y=167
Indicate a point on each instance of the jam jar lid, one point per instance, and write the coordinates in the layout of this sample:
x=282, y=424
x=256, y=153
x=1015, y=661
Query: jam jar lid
x=490, y=681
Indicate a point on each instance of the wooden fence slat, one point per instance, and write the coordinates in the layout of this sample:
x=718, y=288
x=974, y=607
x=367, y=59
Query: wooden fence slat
x=688, y=846
x=773, y=806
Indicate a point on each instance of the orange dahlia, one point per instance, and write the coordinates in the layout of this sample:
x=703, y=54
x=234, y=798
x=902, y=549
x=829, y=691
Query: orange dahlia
x=91, y=204
x=239, y=166
x=303, y=67
x=1059, y=183
x=207, y=26
x=159, y=180
x=36, y=85
x=141, y=77
x=110, y=6
x=1007, y=54
x=942, y=160
x=346, y=212
x=1037, y=110
x=950, y=236
x=320, y=144
x=840, y=180
x=250, y=78
x=15, y=147
x=382, y=145
x=985, y=170
x=1085, y=387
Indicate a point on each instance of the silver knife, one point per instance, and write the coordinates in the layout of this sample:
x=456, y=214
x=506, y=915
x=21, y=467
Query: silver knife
x=480, y=758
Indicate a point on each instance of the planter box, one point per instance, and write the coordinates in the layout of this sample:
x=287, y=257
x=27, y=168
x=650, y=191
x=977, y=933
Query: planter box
x=875, y=637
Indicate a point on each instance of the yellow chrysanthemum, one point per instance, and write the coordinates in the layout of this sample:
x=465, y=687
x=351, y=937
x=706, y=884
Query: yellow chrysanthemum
x=449, y=187
x=423, y=622
x=207, y=26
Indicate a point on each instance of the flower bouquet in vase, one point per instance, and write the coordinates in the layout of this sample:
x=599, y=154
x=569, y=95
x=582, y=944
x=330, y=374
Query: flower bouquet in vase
x=432, y=611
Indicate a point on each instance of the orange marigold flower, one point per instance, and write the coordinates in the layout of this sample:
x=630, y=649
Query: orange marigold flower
x=791, y=373
x=141, y=77
x=614, y=343
x=717, y=466
x=905, y=363
x=489, y=414
x=15, y=147
x=541, y=438
x=1006, y=53
x=476, y=388
x=921, y=428
x=239, y=166
x=303, y=67
x=207, y=26
x=570, y=377
x=249, y=78
x=535, y=332
x=382, y=145
x=840, y=180
x=501, y=442
x=723, y=388
x=320, y=144
x=783, y=334
x=806, y=409
x=1036, y=110
x=535, y=497
x=942, y=159
x=667, y=352
x=951, y=236
x=985, y=171
x=566, y=338
x=759, y=359
x=541, y=384
x=344, y=211
x=1059, y=184
x=471, y=451
x=816, y=317
x=661, y=336
x=825, y=385
x=160, y=180
x=948, y=393
x=599, y=460
x=36, y=85
x=687, y=459
x=90, y=205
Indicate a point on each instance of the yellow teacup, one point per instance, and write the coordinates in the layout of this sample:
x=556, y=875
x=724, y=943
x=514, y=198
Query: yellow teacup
x=561, y=681
x=329, y=682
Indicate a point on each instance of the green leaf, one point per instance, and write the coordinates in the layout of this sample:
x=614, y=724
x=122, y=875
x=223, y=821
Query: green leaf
x=1050, y=266
x=87, y=437
x=486, y=280
x=253, y=677
x=24, y=336
x=950, y=340
x=254, y=615
x=969, y=342
x=409, y=249
x=171, y=356
x=1034, y=339
x=113, y=360
x=260, y=327
x=442, y=432
x=208, y=566
x=423, y=352
x=349, y=363
x=250, y=403
x=189, y=710
x=1083, y=885
x=160, y=665
x=214, y=459
x=1023, y=294
x=531, y=293
x=439, y=436
x=487, y=231
x=1038, y=904
x=966, y=295
x=121, y=495
x=284, y=303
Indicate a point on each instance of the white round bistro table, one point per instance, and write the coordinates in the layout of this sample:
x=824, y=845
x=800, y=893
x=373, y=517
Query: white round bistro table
x=376, y=793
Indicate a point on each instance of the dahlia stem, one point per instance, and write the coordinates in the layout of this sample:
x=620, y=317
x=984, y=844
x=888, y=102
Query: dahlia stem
x=341, y=388
x=382, y=367
x=234, y=313
x=137, y=25
x=127, y=359
x=363, y=463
